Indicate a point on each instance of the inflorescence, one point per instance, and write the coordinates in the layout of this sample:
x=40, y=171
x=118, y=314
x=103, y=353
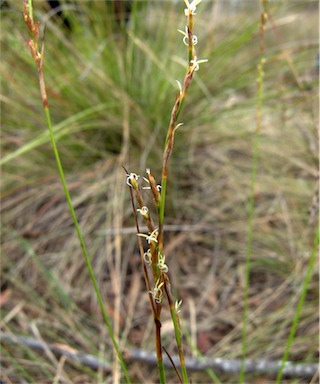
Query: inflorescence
x=153, y=256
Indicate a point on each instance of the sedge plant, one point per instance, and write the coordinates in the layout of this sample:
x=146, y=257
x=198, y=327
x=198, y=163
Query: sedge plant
x=220, y=81
x=154, y=256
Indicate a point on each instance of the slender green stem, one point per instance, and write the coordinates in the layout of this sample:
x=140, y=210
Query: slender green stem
x=259, y=101
x=30, y=9
x=38, y=58
x=299, y=306
x=164, y=178
x=162, y=375
x=248, y=256
x=83, y=246
x=197, y=353
x=177, y=330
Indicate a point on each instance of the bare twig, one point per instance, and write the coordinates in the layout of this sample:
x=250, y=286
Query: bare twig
x=173, y=365
x=258, y=366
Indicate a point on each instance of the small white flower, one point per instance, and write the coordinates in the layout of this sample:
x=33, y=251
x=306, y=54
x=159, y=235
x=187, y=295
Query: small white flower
x=152, y=237
x=186, y=37
x=180, y=86
x=177, y=306
x=161, y=263
x=147, y=257
x=195, y=63
x=191, y=7
x=177, y=126
x=143, y=211
x=130, y=177
x=157, y=292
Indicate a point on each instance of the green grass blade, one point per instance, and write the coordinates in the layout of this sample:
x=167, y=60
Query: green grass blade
x=62, y=128
x=297, y=315
x=248, y=255
x=83, y=246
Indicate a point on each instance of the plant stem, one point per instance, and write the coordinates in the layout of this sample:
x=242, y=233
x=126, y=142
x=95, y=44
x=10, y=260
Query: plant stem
x=83, y=246
x=259, y=100
x=177, y=330
x=169, y=146
x=248, y=256
x=157, y=322
x=38, y=57
x=299, y=305
x=30, y=9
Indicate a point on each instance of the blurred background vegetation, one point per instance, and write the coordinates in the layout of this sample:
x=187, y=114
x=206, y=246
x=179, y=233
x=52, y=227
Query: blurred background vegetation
x=111, y=86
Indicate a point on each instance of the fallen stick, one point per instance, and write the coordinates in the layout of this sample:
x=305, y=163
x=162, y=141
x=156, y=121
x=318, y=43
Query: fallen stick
x=232, y=366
